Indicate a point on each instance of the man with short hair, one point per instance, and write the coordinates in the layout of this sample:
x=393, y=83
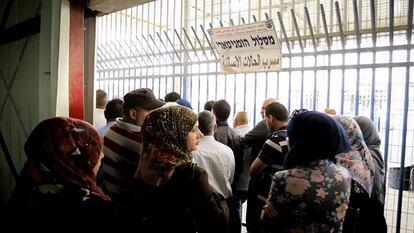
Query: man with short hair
x=113, y=110
x=216, y=158
x=255, y=139
x=209, y=105
x=172, y=97
x=228, y=136
x=269, y=161
x=123, y=142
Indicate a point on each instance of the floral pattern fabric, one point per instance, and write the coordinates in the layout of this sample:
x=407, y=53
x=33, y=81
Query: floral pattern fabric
x=358, y=161
x=311, y=198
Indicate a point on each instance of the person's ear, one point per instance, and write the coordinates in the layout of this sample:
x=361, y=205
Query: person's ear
x=215, y=128
x=132, y=114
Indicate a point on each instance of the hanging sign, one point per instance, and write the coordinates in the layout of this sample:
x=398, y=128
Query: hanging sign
x=248, y=48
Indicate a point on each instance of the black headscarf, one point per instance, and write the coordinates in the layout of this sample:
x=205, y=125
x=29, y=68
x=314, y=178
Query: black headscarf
x=314, y=136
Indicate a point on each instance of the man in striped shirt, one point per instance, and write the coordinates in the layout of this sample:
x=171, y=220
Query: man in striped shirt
x=123, y=143
x=270, y=159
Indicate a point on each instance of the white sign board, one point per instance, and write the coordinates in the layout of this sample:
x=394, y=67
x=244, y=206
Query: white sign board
x=248, y=48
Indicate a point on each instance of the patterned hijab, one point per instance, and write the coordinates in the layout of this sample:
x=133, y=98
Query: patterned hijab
x=358, y=161
x=314, y=136
x=64, y=150
x=165, y=133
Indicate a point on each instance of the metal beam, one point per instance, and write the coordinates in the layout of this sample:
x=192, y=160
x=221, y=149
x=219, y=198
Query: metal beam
x=21, y=30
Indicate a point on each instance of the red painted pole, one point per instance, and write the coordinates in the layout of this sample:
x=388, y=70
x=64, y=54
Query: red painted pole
x=76, y=63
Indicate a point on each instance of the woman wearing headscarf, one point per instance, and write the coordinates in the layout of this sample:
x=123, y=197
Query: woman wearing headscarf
x=371, y=216
x=173, y=194
x=312, y=195
x=359, y=163
x=58, y=182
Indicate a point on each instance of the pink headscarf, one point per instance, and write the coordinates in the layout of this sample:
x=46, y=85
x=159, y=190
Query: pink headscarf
x=66, y=148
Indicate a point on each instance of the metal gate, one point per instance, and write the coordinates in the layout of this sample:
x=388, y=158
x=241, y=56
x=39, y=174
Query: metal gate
x=354, y=56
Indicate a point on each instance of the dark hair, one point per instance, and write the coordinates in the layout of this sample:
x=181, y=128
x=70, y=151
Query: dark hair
x=209, y=105
x=206, y=122
x=114, y=109
x=278, y=111
x=222, y=110
x=172, y=97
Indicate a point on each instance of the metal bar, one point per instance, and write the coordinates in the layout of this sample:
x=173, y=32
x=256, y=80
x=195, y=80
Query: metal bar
x=405, y=119
x=9, y=159
x=149, y=47
x=356, y=22
x=172, y=46
x=124, y=51
x=373, y=22
x=199, y=42
x=310, y=28
x=404, y=134
x=158, y=48
x=346, y=67
x=338, y=18
x=208, y=41
x=117, y=60
x=358, y=38
x=145, y=51
x=328, y=42
x=191, y=44
x=315, y=58
x=165, y=47
x=6, y=13
x=410, y=22
x=374, y=42
x=282, y=26
x=325, y=27
x=389, y=91
x=295, y=24
x=138, y=52
x=181, y=42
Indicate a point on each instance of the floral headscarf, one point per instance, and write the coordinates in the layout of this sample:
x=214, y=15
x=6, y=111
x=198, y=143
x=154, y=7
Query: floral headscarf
x=66, y=150
x=314, y=136
x=165, y=133
x=358, y=161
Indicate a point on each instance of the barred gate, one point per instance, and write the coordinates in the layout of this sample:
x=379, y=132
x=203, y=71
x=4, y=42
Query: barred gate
x=354, y=56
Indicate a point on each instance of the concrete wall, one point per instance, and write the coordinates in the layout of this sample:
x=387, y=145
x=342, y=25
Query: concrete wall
x=33, y=79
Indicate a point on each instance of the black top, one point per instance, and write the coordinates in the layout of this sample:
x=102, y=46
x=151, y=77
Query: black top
x=184, y=204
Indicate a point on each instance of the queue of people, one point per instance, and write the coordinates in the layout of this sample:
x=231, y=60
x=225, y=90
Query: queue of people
x=166, y=168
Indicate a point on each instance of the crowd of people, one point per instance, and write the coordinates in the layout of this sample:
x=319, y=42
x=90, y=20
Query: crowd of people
x=155, y=165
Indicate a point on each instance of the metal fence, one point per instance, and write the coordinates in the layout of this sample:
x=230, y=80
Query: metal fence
x=354, y=56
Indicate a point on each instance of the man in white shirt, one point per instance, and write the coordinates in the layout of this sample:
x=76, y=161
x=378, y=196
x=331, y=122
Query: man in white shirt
x=99, y=120
x=216, y=158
